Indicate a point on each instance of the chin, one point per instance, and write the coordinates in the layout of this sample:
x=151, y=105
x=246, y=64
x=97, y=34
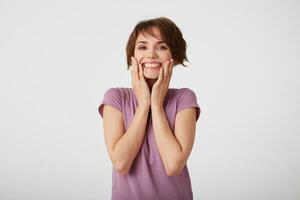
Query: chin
x=151, y=76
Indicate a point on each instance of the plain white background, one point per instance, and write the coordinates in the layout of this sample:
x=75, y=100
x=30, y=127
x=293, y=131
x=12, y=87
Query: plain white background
x=57, y=58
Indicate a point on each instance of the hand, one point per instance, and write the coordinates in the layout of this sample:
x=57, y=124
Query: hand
x=161, y=86
x=139, y=84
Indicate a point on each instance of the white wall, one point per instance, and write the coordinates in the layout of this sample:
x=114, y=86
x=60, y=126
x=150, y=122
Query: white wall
x=57, y=58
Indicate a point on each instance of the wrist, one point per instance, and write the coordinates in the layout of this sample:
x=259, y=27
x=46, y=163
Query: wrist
x=144, y=106
x=156, y=107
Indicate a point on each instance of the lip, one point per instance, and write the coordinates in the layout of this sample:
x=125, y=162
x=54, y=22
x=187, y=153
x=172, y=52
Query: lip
x=143, y=64
x=151, y=63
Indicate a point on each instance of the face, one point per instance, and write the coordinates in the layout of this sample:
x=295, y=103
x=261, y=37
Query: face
x=151, y=52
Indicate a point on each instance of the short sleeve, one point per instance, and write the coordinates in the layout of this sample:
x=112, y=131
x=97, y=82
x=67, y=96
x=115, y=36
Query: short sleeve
x=112, y=97
x=188, y=99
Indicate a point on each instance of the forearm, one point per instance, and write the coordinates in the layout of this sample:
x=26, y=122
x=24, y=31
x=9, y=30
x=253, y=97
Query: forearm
x=128, y=146
x=168, y=146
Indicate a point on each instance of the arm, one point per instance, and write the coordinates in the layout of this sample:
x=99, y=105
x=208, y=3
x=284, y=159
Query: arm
x=174, y=148
x=123, y=147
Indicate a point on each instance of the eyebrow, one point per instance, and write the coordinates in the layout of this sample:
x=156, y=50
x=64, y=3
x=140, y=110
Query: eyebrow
x=143, y=42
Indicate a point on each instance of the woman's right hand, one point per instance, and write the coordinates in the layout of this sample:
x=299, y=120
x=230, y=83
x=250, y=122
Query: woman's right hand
x=139, y=84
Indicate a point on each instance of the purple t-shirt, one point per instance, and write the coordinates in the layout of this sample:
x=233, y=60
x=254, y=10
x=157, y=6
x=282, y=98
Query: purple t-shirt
x=147, y=178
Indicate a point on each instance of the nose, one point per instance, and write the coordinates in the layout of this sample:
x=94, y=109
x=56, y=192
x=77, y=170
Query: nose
x=152, y=54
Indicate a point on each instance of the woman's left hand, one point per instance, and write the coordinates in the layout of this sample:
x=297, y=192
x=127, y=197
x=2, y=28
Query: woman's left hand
x=161, y=86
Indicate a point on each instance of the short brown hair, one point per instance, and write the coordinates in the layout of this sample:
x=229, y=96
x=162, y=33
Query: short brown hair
x=170, y=33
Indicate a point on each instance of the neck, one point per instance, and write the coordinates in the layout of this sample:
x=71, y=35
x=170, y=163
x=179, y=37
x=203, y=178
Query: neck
x=150, y=83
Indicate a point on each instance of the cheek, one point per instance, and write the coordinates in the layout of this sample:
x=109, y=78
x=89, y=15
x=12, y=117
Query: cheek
x=137, y=54
x=139, y=57
x=167, y=55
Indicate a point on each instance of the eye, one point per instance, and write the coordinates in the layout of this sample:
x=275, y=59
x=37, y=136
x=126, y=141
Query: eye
x=163, y=47
x=142, y=47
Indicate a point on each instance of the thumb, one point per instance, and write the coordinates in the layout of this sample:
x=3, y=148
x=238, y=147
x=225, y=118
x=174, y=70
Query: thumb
x=141, y=72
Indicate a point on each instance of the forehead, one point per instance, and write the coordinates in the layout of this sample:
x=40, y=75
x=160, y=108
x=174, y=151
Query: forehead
x=152, y=34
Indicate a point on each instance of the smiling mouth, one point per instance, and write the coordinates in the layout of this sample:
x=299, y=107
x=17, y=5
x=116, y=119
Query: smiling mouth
x=151, y=65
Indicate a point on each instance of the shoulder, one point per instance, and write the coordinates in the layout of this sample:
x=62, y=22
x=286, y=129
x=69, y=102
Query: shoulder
x=114, y=97
x=116, y=91
x=186, y=98
x=185, y=92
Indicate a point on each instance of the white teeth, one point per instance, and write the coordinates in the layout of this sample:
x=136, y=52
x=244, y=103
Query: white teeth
x=152, y=64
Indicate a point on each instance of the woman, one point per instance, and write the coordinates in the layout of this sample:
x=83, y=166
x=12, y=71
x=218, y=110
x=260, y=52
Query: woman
x=149, y=129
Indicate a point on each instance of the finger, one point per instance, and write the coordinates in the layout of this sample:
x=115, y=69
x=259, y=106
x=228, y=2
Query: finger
x=141, y=72
x=166, y=66
x=134, y=70
x=171, y=66
x=160, y=76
